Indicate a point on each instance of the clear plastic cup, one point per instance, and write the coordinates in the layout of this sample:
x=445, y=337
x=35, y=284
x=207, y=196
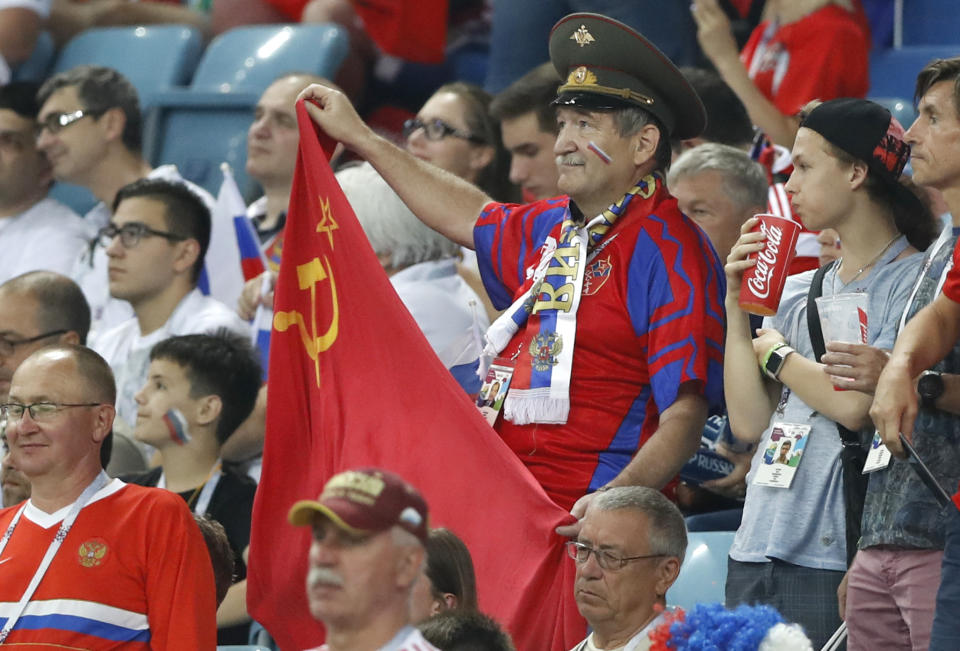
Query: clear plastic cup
x=843, y=318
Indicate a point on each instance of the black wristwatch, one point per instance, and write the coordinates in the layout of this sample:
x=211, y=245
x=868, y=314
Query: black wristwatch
x=930, y=387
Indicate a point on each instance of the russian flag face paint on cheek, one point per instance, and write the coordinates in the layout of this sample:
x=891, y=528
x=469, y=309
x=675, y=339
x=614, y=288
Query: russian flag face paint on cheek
x=602, y=155
x=176, y=424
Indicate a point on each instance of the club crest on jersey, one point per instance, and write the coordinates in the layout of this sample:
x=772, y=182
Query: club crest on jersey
x=93, y=552
x=595, y=275
x=544, y=349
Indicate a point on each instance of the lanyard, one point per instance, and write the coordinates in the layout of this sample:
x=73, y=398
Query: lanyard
x=205, y=493
x=99, y=482
x=942, y=241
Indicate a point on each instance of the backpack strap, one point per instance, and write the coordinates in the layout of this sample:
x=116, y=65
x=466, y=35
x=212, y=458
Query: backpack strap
x=813, y=316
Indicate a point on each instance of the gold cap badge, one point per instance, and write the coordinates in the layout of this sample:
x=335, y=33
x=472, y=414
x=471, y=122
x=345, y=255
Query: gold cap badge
x=582, y=77
x=582, y=36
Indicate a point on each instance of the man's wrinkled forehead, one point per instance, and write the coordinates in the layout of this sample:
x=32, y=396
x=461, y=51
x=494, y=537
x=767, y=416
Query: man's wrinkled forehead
x=566, y=112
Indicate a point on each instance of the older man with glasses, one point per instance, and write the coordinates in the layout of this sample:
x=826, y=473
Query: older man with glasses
x=628, y=553
x=89, y=126
x=81, y=531
x=155, y=243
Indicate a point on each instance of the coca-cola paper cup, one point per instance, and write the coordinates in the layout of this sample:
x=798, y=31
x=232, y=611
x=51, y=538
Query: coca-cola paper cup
x=762, y=283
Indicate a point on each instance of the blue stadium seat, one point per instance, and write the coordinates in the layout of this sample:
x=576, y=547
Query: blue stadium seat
x=154, y=58
x=207, y=123
x=250, y=58
x=900, y=107
x=893, y=73
x=37, y=67
x=703, y=576
x=931, y=22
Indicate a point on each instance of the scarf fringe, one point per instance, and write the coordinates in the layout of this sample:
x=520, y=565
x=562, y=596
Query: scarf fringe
x=525, y=406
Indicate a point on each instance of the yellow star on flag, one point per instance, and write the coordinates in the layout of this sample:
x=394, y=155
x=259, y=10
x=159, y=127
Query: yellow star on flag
x=327, y=223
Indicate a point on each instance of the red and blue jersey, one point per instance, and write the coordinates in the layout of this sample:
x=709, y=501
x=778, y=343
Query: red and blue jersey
x=650, y=319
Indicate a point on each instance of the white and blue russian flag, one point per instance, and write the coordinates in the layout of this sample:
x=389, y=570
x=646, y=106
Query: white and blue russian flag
x=261, y=327
x=234, y=254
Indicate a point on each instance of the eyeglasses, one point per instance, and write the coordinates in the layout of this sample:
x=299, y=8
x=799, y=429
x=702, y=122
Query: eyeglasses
x=437, y=129
x=131, y=233
x=57, y=122
x=607, y=561
x=8, y=346
x=39, y=411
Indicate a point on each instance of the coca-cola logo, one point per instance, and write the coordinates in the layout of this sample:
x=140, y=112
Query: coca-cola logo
x=759, y=283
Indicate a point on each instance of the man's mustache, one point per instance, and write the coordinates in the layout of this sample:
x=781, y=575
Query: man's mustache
x=323, y=575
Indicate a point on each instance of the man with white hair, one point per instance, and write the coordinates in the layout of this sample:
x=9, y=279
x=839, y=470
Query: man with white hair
x=719, y=187
x=628, y=553
x=420, y=262
x=369, y=531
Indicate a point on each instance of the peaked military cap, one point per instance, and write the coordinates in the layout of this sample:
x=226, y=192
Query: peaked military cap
x=606, y=65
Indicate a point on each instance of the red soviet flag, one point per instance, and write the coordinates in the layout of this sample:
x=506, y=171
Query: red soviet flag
x=353, y=383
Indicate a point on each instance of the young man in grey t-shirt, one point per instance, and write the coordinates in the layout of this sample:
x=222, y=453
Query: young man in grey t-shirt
x=790, y=550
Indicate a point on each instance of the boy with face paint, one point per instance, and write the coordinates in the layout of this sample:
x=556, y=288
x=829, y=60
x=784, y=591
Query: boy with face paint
x=199, y=389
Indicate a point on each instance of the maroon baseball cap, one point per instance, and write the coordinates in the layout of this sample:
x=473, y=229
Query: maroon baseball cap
x=366, y=500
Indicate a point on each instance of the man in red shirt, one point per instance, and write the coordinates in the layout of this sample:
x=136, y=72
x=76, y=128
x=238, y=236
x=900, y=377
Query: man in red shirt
x=80, y=531
x=617, y=359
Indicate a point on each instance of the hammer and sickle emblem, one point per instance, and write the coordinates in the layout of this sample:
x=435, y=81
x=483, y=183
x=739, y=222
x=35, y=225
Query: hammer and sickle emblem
x=309, y=275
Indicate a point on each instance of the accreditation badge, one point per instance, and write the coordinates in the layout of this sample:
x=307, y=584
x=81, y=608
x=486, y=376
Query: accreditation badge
x=782, y=454
x=878, y=457
x=494, y=389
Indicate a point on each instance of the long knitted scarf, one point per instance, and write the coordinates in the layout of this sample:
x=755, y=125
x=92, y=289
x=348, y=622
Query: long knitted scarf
x=540, y=388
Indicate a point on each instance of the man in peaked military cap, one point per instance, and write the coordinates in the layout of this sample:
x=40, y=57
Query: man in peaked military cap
x=613, y=298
